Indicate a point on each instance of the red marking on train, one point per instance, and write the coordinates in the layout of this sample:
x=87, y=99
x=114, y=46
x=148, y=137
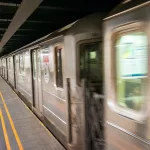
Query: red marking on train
x=46, y=59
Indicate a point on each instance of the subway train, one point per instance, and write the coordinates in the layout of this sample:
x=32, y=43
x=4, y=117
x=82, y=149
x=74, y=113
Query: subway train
x=126, y=52
x=43, y=73
x=89, y=81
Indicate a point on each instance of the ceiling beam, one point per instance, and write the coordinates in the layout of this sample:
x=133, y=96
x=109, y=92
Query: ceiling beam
x=25, y=9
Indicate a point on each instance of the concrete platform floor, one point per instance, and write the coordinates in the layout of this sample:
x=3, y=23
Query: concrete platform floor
x=19, y=127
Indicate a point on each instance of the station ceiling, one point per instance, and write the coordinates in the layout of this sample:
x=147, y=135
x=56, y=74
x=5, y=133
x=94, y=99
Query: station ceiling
x=48, y=16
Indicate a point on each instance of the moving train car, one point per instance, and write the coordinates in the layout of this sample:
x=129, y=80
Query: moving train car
x=126, y=51
x=0, y=67
x=4, y=68
x=47, y=75
x=10, y=69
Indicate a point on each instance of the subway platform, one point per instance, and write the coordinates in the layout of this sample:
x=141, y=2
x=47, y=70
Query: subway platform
x=20, y=129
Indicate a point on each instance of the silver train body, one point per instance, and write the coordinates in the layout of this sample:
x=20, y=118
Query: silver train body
x=60, y=76
x=3, y=68
x=126, y=52
x=43, y=72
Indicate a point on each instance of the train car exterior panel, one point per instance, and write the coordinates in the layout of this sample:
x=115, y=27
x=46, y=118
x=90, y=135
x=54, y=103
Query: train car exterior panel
x=1, y=67
x=124, y=139
x=4, y=62
x=23, y=73
x=54, y=100
x=10, y=66
x=50, y=75
x=132, y=120
x=36, y=79
x=55, y=103
x=83, y=32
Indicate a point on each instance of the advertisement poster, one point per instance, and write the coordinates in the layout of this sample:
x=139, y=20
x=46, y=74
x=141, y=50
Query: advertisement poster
x=133, y=57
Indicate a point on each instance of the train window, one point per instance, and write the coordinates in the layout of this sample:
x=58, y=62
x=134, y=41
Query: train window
x=21, y=64
x=27, y=60
x=91, y=65
x=34, y=65
x=9, y=64
x=131, y=69
x=58, y=67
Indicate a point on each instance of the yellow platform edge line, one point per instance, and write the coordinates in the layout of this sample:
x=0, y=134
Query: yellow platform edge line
x=40, y=122
x=12, y=124
x=5, y=131
x=31, y=112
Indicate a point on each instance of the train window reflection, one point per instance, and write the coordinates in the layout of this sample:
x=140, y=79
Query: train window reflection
x=91, y=65
x=58, y=62
x=34, y=65
x=21, y=64
x=131, y=67
x=9, y=64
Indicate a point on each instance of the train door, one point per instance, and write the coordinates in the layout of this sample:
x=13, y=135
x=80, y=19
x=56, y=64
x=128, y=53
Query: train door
x=0, y=67
x=36, y=76
x=8, y=67
x=14, y=66
x=16, y=70
x=91, y=65
x=91, y=69
x=5, y=68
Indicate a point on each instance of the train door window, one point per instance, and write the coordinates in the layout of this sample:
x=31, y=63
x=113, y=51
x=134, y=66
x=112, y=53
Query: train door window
x=5, y=62
x=91, y=66
x=12, y=63
x=34, y=65
x=8, y=61
x=131, y=69
x=39, y=64
x=21, y=64
x=58, y=67
x=27, y=60
x=9, y=64
x=16, y=58
x=0, y=64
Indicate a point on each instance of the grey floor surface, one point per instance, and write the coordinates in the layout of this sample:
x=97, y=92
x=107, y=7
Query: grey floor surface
x=32, y=134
